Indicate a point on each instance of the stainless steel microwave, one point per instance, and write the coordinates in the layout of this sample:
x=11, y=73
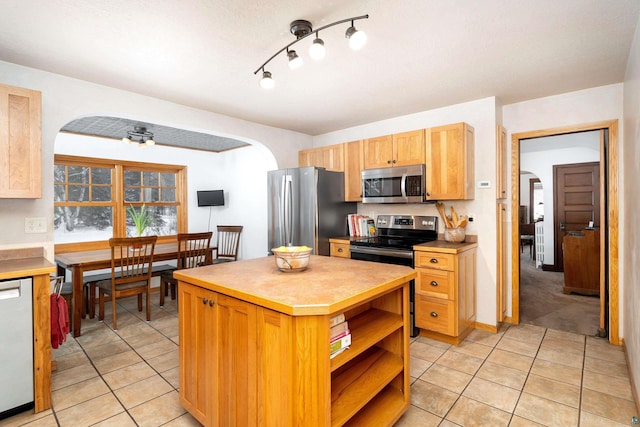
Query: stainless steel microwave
x=401, y=184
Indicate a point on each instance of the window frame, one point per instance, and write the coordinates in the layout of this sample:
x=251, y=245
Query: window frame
x=119, y=205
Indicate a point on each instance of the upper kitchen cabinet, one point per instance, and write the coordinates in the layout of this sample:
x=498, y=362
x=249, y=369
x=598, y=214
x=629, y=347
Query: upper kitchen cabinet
x=449, y=162
x=330, y=157
x=400, y=149
x=353, y=161
x=20, y=143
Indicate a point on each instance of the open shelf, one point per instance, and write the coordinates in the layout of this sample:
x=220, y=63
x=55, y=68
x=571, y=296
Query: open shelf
x=367, y=329
x=366, y=376
x=386, y=407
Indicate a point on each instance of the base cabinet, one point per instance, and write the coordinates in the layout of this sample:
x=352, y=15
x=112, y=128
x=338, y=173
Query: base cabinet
x=244, y=365
x=445, y=291
x=340, y=248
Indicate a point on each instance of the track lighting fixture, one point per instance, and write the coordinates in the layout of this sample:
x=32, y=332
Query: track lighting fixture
x=302, y=29
x=140, y=135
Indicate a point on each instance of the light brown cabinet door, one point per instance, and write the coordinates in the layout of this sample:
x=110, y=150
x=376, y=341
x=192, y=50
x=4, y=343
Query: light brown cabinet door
x=501, y=162
x=449, y=162
x=20, y=143
x=408, y=148
x=333, y=157
x=353, y=161
x=198, y=355
x=311, y=157
x=378, y=152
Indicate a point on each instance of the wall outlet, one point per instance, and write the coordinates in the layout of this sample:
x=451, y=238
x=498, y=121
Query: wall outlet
x=35, y=225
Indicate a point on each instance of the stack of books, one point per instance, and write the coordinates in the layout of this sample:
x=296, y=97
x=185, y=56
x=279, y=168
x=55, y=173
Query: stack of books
x=339, y=336
x=361, y=226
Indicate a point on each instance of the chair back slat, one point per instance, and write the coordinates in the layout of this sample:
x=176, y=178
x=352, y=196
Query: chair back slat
x=228, y=241
x=193, y=249
x=131, y=259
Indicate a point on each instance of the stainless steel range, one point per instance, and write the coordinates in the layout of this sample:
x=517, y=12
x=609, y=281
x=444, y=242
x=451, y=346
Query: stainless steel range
x=397, y=234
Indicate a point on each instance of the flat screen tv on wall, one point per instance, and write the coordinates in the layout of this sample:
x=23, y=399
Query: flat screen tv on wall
x=211, y=198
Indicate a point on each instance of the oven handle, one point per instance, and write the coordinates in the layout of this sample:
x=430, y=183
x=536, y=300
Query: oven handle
x=384, y=252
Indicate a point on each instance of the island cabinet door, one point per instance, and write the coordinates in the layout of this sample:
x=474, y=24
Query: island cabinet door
x=198, y=351
x=237, y=377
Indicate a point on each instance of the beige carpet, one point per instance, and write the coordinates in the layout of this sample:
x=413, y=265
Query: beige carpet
x=542, y=302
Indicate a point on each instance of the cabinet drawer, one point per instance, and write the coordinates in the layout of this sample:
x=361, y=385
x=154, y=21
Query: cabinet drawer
x=435, y=283
x=340, y=250
x=434, y=260
x=435, y=314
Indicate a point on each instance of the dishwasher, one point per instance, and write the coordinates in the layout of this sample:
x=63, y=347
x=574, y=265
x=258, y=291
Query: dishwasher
x=16, y=342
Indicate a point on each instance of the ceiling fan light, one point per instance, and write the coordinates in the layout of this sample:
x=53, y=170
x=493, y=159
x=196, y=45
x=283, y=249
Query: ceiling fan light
x=357, y=39
x=267, y=82
x=317, y=50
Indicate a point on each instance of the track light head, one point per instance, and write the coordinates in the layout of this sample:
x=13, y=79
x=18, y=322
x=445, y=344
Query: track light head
x=317, y=50
x=267, y=82
x=357, y=39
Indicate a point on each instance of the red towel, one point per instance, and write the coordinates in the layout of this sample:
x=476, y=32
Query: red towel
x=55, y=322
x=59, y=320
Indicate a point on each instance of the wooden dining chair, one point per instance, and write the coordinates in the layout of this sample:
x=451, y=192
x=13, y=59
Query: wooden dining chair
x=193, y=251
x=131, y=262
x=228, y=240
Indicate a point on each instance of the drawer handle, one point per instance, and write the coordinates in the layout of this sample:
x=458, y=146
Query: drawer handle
x=434, y=314
x=210, y=303
x=433, y=283
x=340, y=250
x=205, y=301
x=433, y=260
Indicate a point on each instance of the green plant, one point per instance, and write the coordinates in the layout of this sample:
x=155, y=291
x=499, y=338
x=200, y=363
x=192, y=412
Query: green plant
x=141, y=219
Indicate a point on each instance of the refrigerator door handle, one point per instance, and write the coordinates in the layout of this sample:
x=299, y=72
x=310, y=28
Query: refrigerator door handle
x=288, y=209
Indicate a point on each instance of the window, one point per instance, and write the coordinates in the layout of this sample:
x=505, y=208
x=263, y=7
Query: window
x=91, y=197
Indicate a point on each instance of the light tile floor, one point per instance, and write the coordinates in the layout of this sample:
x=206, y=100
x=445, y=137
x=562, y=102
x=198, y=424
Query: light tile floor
x=523, y=376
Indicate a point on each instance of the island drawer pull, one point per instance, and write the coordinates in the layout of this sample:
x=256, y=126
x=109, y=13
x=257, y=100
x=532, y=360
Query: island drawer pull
x=433, y=260
x=210, y=303
x=433, y=283
x=340, y=250
x=204, y=301
x=434, y=314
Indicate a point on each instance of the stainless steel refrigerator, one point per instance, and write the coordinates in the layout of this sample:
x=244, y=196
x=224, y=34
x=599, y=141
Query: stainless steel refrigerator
x=306, y=207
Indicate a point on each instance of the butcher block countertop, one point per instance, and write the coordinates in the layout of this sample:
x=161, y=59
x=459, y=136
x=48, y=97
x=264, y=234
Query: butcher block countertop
x=23, y=263
x=328, y=285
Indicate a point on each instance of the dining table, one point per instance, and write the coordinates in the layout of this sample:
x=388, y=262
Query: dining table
x=98, y=259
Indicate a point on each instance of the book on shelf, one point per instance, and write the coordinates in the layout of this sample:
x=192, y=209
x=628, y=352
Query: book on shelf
x=338, y=318
x=335, y=353
x=340, y=343
x=360, y=225
x=338, y=330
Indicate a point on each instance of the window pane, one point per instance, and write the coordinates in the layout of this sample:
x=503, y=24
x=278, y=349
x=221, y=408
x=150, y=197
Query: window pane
x=151, y=179
x=59, y=173
x=168, y=195
x=132, y=195
x=132, y=178
x=78, y=174
x=164, y=221
x=168, y=179
x=82, y=223
x=59, y=193
x=101, y=194
x=78, y=193
x=100, y=176
x=151, y=195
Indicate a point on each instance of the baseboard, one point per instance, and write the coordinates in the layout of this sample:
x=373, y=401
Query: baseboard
x=486, y=327
x=548, y=267
x=634, y=390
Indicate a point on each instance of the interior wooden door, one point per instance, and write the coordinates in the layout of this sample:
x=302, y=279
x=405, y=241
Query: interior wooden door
x=576, y=202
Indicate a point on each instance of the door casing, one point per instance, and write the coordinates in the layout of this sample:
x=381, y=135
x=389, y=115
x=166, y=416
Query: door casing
x=609, y=165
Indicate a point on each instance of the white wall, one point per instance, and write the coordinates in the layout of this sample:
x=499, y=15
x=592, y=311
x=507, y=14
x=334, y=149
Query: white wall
x=480, y=114
x=65, y=99
x=241, y=173
x=630, y=239
x=570, y=109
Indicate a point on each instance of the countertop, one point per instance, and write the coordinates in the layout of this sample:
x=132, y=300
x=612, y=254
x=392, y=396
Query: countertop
x=23, y=263
x=445, y=247
x=329, y=285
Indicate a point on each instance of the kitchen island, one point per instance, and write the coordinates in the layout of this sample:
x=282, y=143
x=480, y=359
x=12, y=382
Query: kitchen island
x=254, y=343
